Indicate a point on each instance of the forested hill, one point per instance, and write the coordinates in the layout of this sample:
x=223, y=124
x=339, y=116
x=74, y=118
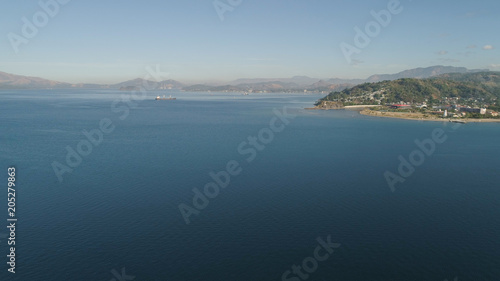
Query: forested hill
x=482, y=85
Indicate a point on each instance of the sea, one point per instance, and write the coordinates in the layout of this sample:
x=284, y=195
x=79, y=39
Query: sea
x=115, y=186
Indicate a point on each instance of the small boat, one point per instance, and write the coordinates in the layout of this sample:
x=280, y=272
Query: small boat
x=164, y=98
x=458, y=121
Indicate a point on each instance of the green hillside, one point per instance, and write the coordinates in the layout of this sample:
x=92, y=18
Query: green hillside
x=483, y=87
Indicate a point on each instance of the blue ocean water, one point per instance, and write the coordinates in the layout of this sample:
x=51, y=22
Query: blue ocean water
x=323, y=175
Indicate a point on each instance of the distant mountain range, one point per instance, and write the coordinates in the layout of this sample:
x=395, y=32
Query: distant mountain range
x=301, y=83
x=298, y=80
x=421, y=73
x=12, y=81
x=297, y=83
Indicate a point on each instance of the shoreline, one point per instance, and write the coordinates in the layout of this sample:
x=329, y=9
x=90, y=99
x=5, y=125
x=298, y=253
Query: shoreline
x=348, y=107
x=397, y=115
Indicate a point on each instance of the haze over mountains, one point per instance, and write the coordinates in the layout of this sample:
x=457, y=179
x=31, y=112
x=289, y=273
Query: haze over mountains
x=8, y=81
x=297, y=83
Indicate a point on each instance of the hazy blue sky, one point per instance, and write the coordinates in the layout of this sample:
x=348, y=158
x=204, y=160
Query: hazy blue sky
x=110, y=41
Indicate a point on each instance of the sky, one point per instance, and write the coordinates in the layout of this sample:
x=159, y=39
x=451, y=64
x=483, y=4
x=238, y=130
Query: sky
x=205, y=40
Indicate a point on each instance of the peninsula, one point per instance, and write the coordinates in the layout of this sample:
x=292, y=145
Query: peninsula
x=454, y=97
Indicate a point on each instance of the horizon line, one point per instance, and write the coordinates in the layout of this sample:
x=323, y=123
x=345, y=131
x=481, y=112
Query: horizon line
x=217, y=80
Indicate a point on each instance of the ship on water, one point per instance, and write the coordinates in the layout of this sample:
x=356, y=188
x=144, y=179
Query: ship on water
x=164, y=98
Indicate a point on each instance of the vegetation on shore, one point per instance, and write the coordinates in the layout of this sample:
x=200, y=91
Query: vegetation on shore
x=482, y=88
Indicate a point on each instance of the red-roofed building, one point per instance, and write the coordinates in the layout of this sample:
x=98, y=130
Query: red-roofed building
x=401, y=106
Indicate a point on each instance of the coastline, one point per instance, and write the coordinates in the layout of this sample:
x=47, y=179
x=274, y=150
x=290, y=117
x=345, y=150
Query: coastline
x=419, y=117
